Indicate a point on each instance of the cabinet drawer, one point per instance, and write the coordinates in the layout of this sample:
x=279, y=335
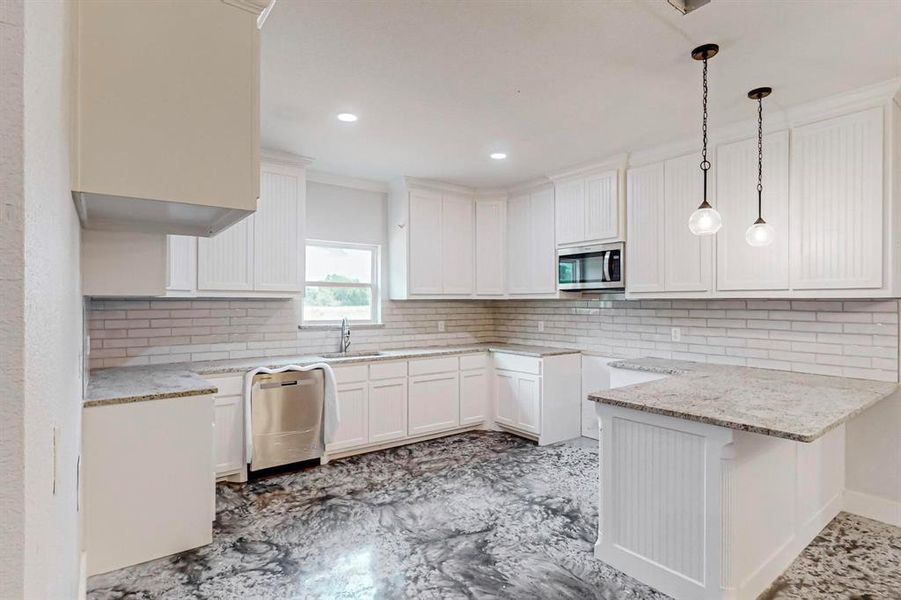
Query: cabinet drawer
x=231, y=385
x=433, y=365
x=387, y=370
x=518, y=363
x=351, y=374
x=474, y=361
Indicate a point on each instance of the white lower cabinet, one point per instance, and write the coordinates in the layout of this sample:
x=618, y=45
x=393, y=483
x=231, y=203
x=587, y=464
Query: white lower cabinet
x=474, y=393
x=387, y=410
x=229, y=450
x=353, y=406
x=434, y=403
x=539, y=397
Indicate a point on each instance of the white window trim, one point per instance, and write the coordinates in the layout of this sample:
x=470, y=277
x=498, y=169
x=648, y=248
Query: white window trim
x=374, y=287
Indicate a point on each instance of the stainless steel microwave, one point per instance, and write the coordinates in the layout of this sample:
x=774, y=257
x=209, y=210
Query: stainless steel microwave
x=597, y=267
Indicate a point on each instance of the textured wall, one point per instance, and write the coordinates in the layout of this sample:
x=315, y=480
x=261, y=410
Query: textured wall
x=53, y=305
x=12, y=303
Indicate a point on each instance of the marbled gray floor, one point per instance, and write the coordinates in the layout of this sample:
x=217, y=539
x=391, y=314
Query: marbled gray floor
x=480, y=515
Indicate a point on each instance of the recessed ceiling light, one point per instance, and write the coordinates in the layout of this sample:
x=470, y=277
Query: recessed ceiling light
x=347, y=117
x=498, y=155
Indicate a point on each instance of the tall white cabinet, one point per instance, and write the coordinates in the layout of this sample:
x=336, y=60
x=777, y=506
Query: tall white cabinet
x=588, y=208
x=687, y=265
x=644, y=246
x=531, y=245
x=491, y=246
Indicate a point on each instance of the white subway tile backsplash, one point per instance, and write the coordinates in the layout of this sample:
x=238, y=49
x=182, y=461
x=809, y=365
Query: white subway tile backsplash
x=854, y=338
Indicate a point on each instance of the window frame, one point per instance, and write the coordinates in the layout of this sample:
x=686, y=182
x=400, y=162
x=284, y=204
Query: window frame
x=374, y=286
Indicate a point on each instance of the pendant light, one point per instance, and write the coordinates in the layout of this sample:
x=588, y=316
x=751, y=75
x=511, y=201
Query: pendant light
x=760, y=233
x=705, y=220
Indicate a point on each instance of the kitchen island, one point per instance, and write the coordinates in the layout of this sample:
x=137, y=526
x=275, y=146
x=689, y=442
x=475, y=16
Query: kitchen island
x=714, y=478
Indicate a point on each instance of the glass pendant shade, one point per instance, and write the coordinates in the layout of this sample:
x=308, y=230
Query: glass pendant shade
x=760, y=233
x=705, y=220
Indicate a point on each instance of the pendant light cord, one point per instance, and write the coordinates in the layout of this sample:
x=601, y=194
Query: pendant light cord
x=705, y=164
x=759, y=158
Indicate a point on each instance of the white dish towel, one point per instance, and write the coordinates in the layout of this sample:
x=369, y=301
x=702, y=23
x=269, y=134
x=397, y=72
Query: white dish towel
x=330, y=419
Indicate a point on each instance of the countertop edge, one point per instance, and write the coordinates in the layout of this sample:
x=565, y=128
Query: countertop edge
x=206, y=391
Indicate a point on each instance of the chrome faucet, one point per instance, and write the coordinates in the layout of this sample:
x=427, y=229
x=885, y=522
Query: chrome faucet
x=345, y=335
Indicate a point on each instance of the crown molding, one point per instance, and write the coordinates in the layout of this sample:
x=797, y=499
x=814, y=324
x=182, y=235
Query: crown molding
x=284, y=158
x=356, y=183
x=436, y=186
x=529, y=186
x=617, y=161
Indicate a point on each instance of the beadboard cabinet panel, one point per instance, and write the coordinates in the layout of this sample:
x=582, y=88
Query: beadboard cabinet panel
x=425, y=243
x=181, y=256
x=518, y=253
x=457, y=245
x=541, y=243
x=644, y=247
x=741, y=266
x=224, y=262
x=570, y=218
x=601, y=207
x=688, y=256
x=279, y=231
x=490, y=247
x=387, y=410
x=837, y=202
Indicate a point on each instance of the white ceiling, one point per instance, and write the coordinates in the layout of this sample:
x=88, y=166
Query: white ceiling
x=440, y=85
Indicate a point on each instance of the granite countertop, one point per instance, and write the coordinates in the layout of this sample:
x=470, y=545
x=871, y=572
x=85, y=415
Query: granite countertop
x=784, y=404
x=120, y=385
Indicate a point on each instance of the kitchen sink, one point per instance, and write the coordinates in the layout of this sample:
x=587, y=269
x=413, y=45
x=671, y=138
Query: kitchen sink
x=360, y=354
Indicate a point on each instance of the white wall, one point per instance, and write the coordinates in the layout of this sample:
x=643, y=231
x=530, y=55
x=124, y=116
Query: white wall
x=12, y=304
x=53, y=308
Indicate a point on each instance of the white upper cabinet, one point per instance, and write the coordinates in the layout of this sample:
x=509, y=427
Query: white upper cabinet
x=688, y=257
x=279, y=232
x=426, y=261
x=432, y=241
x=225, y=261
x=837, y=202
x=167, y=115
x=588, y=209
x=741, y=266
x=531, y=247
x=457, y=244
x=491, y=247
x=260, y=256
x=644, y=248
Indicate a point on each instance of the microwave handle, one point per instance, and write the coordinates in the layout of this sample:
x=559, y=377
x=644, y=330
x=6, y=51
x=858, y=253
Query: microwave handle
x=607, y=266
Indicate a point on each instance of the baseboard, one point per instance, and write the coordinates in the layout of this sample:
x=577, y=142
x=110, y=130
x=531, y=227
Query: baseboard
x=873, y=507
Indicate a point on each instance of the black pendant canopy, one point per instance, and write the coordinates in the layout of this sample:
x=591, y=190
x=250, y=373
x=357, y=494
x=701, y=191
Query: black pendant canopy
x=705, y=51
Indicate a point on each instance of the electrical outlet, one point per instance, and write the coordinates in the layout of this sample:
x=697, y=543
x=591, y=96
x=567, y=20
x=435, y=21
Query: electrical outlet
x=540, y=326
x=441, y=326
x=675, y=334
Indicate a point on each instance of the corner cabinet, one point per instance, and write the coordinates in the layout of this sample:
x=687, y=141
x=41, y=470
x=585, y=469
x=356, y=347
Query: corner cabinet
x=260, y=256
x=431, y=241
x=491, y=247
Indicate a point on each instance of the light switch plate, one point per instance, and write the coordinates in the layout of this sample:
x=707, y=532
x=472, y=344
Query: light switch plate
x=675, y=334
x=441, y=326
x=540, y=326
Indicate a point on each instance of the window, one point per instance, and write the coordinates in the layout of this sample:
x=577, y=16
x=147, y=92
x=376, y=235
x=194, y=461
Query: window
x=342, y=281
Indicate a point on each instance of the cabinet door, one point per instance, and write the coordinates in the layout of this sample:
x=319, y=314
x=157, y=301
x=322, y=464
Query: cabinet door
x=277, y=251
x=644, y=242
x=569, y=198
x=387, y=410
x=741, y=266
x=518, y=245
x=687, y=265
x=528, y=403
x=425, y=243
x=225, y=261
x=434, y=403
x=229, y=440
x=837, y=203
x=457, y=244
x=491, y=247
x=542, y=245
x=181, y=263
x=353, y=406
x=473, y=396
x=505, y=397
x=601, y=207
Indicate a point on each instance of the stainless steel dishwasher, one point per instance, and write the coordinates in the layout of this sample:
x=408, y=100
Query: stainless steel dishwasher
x=286, y=417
